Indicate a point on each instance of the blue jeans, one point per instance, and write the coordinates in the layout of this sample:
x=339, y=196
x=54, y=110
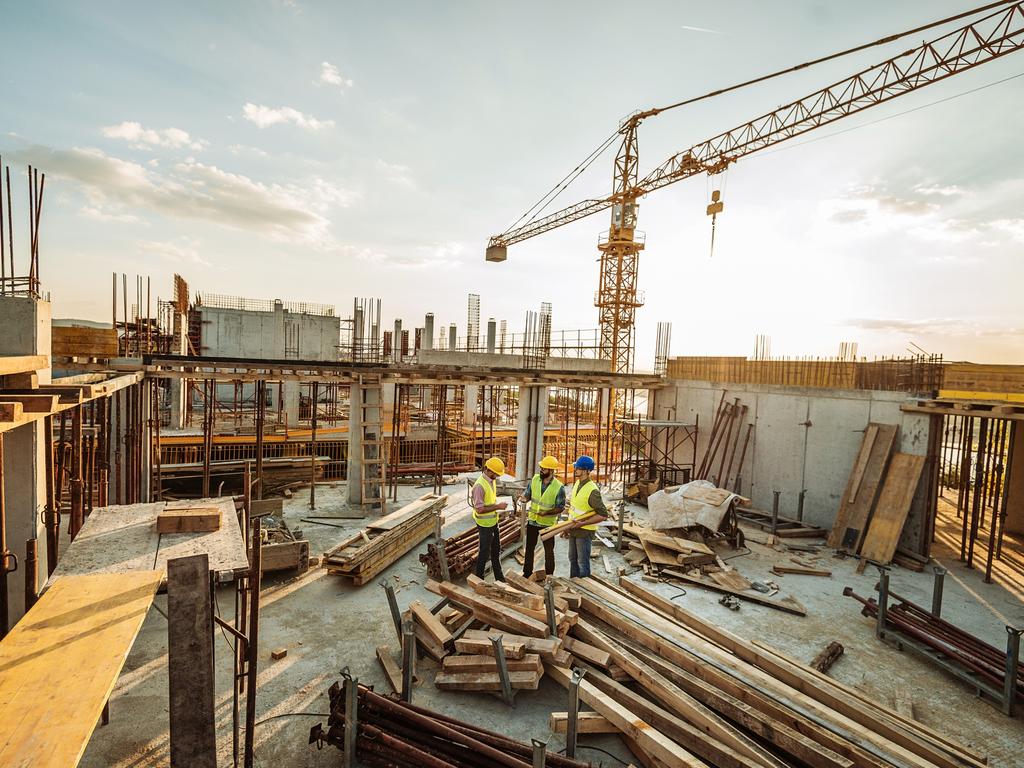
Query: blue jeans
x=579, y=556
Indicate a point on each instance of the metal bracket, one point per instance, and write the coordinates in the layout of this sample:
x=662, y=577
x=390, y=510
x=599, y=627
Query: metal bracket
x=507, y=694
x=396, y=615
x=574, y=709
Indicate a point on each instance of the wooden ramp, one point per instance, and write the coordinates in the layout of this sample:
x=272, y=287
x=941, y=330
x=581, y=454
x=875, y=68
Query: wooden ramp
x=60, y=662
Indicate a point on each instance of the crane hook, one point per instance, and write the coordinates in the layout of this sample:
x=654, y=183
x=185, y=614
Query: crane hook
x=714, y=208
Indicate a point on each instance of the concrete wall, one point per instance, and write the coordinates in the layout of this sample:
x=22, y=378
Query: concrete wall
x=803, y=438
x=241, y=333
x=25, y=325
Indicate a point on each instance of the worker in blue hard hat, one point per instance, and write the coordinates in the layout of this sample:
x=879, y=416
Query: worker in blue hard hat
x=486, y=507
x=585, y=502
x=546, y=495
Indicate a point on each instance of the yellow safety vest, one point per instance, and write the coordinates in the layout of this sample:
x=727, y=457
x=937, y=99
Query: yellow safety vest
x=543, y=501
x=580, y=502
x=487, y=519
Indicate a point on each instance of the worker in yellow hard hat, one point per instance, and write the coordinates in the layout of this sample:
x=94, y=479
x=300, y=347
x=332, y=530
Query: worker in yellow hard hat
x=546, y=495
x=585, y=504
x=486, y=507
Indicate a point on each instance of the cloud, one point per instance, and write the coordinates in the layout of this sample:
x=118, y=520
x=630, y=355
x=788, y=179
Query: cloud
x=936, y=326
x=330, y=75
x=849, y=215
x=396, y=173
x=1012, y=227
x=91, y=212
x=705, y=30
x=197, y=191
x=185, y=251
x=263, y=117
x=942, y=191
x=243, y=149
x=148, y=138
x=444, y=255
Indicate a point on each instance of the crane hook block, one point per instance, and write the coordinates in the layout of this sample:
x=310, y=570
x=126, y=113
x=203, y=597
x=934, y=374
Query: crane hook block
x=716, y=205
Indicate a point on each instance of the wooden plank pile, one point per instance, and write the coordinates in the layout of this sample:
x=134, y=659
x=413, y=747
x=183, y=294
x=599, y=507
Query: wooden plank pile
x=461, y=641
x=393, y=733
x=878, y=498
x=461, y=549
x=697, y=695
x=365, y=554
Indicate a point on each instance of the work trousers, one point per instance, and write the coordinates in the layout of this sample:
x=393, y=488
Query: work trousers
x=490, y=546
x=579, y=555
x=532, y=534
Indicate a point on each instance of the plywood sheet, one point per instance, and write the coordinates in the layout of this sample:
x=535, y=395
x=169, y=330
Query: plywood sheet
x=858, y=499
x=60, y=662
x=124, y=538
x=893, y=506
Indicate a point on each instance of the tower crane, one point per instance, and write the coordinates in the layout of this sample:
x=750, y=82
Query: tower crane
x=982, y=40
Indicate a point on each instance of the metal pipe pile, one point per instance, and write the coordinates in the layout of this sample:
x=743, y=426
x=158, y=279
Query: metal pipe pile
x=461, y=549
x=395, y=733
x=965, y=649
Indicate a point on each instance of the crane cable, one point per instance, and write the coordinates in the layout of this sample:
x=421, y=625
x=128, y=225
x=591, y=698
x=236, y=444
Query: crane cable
x=537, y=208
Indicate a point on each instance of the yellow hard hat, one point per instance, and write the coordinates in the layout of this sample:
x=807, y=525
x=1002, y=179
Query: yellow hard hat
x=496, y=465
x=549, y=462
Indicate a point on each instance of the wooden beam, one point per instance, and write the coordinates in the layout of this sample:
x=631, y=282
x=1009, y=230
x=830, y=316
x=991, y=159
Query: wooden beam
x=13, y=364
x=190, y=663
x=586, y=722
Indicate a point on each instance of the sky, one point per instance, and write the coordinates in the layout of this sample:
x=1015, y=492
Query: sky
x=322, y=151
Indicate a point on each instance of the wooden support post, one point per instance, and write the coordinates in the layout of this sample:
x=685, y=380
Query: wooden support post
x=77, y=500
x=50, y=514
x=190, y=663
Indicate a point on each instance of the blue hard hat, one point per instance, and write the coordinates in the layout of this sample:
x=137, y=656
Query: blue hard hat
x=585, y=463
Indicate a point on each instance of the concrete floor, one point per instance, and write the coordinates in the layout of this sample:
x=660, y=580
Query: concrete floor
x=327, y=626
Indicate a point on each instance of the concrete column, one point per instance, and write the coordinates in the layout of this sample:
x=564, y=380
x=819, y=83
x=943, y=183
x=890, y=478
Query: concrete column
x=470, y=394
x=533, y=413
x=427, y=341
x=358, y=419
x=26, y=331
x=492, y=335
x=290, y=391
x=396, y=342
x=453, y=337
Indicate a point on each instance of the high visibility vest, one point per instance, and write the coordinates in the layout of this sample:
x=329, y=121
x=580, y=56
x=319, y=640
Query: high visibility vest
x=580, y=502
x=487, y=519
x=542, y=502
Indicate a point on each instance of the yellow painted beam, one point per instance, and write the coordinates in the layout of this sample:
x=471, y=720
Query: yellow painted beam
x=60, y=662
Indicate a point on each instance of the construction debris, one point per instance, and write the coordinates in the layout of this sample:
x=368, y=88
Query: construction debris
x=368, y=552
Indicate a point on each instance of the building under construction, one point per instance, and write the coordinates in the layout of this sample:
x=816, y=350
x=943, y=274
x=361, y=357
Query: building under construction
x=240, y=530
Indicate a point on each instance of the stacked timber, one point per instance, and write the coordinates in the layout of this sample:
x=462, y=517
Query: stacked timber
x=461, y=549
x=365, y=554
x=394, y=733
x=697, y=695
x=516, y=613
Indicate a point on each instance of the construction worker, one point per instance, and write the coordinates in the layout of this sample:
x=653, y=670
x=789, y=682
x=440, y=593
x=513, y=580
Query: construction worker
x=485, y=514
x=546, y=495
x=584, y=499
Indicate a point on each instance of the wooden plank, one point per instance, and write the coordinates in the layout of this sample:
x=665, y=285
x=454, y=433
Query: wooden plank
x=810, y=687
x=587, y=652
x=514, y=649
x=58, y=665
x=862, y=488
x=13, y=364
x=893, y=506
x=486, y=612
x=586, y=722
x=41, y=403
x=683, y=546
x=485, y=681
x=649, y=739
x=193, y=733
x=658, y=555
x=392, y=671
x=80, y=341
x=263, y=507
x=10, y=411
x=413, y=508
x=483, y=663
x=520, y=582
x=506, y=594
x=430, y=623
x=190, y=520
x=863, y=457
x=285, y=556
x=781, y=570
